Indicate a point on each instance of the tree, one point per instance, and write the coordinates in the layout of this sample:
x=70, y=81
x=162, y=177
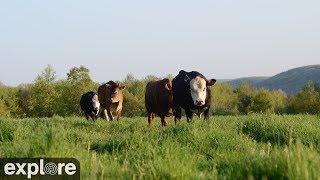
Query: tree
x=280, y=99
x=263, y=102
x=307, y=100
x=8, y=101
x=48, y=75
x=133, y=106
x=245, y=98
x=78, y=82
x=43, y=94
x=134, y=96
x=150, y=78
x=23, y=100
x=3, y=108
x=224, y=100
x=129, y=79
x=79, y=75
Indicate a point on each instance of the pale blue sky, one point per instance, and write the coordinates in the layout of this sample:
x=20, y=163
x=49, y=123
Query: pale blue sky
x=221, y=39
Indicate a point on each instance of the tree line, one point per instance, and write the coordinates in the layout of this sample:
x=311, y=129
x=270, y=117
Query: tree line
x=48, y=96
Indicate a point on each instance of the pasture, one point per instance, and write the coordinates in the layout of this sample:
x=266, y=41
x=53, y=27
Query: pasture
x=225, y=147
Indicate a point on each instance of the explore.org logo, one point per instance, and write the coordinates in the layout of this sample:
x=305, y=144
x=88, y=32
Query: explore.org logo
x=39, y=168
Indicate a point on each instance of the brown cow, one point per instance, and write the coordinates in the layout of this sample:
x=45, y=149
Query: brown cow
x=158, y=100
x=111, y=99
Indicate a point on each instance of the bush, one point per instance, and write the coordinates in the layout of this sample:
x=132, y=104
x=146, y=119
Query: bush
x=281, y=101
x=8, y=101
x=132, y=106
x=47, y=96
x=245, y=95
x=255, y=100
x=306, y=101
x=263, y=102
x=224, y=100
x=78, y=82
x=43, y=94
x=3, y=108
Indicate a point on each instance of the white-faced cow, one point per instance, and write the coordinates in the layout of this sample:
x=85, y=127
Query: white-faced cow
x=90, y=105
x=191, y=91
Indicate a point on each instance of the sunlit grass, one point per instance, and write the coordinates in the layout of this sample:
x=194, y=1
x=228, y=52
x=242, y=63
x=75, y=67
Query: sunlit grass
x=225, y=147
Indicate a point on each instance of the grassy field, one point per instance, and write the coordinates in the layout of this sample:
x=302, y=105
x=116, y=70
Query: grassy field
x=225, y=147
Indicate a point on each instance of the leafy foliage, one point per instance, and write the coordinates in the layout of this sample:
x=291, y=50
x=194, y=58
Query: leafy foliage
x=78, y=82
x=306, y=101
x=224, y=99
x=48, y=96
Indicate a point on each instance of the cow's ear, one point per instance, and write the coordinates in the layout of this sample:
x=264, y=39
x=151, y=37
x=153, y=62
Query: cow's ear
x=122, y=87
x=211, y=82
x=168, y=86
x=186, y=78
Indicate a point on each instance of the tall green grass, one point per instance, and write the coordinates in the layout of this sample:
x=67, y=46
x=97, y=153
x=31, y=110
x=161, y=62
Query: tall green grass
x=224, y=147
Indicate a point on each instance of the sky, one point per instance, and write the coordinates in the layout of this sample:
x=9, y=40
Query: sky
x=222, y=39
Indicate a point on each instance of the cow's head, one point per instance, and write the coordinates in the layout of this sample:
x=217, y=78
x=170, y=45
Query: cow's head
x=95, y=104
x=198, y=89
x=168, y=86
x=115, y=90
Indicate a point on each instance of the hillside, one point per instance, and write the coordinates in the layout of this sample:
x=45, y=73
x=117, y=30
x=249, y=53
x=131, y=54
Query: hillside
x=248, y=80
x=292, y=80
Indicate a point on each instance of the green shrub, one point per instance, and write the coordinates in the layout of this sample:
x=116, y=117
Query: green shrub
x=48, y=96
x=306, y=101
x=224, y=100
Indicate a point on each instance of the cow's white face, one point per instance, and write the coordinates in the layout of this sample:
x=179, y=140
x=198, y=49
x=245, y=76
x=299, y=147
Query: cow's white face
x=198, y=89
x=96, y=104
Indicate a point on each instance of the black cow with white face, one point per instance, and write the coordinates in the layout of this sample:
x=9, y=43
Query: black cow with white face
x=191, y=91
x=90, y=105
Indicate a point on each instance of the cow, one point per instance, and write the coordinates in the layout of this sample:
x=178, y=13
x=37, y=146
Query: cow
x=191, y=92
x=158, y=100
x=111, y=100
x=90, y=105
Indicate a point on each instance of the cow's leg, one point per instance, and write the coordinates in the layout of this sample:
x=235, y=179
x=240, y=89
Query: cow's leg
x=105, y=112
x=153, y=116
x=150, y=118
x=164, y=121
x=189, y=115
x=87, y=116
x=118, y=115
x=102, y=113
x=178, y=115
x=93, y=116
x=207, y=113
x=110, y=115
x=199, y=114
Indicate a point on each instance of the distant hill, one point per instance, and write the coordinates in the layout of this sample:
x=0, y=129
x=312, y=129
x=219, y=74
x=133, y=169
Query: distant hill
x=292, y=80
x=248, y=80
x=223, y=80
